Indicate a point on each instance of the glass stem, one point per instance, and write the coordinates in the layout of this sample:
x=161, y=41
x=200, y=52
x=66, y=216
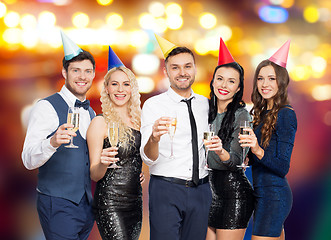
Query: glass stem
x=172, y=148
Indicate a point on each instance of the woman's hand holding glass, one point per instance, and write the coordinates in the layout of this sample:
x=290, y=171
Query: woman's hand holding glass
x=215, y=144
x=251, y=142
x=108, y=156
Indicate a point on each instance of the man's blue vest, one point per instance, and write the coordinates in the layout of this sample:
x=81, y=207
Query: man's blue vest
x=67, y=173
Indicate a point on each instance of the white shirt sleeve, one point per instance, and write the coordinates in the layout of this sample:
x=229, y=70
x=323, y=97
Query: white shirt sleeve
x=37, y=149
x=147, y=120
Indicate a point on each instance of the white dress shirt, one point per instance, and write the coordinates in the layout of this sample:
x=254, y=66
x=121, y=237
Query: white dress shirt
x=181, y=166
x=44, y=120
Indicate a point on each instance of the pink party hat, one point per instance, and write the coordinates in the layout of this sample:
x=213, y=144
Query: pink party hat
x=224, y=56
x=280, y=57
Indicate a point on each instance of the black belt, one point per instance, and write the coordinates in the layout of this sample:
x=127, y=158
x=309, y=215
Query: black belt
x=187, y=183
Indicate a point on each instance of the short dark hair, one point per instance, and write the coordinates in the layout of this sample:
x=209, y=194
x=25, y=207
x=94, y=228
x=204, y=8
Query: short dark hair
x=85, y=55
x=179, y=50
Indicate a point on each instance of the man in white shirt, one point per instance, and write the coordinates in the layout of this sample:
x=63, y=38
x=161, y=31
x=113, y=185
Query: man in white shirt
x=179, y=199
x=64, y=200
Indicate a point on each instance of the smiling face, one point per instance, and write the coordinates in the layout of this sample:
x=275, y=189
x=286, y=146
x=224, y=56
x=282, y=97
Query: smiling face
x=181, y=71
x=267, y=84
x=119, y=88
x=226, y=85
x=79, y=77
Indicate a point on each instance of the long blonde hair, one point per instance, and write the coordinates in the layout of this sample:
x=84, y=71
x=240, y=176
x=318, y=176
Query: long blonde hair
x=134, y=109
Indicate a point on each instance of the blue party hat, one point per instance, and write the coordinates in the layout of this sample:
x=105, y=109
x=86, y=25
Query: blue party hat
x=71, y=50
x=113, y=60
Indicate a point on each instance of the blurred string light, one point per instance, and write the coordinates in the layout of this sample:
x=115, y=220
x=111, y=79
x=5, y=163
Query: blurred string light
x=174, y=22
x=62, y=2
x=160, y=25
x=318, y=64
x=80, y=20
x=322, y=92
x=200, y=47
x=12, y=36
x=3, y=9
x=273, y=14
x=10, y=1
x=210, y=43
x=104, y=2
x=324, y=14
x=46, y=20
x=28, y=21
x=12, y=19
x=157, y=9
x=300, y=73
x=145, y=64
x=311, y=14
x=173, y=9
x=223, y=31
x=287, y=3
x=146, y=84
x=174, y=19
x=138, y=38
x=114, y=20
x=276, y=2
x=30, y=38
x=147, y=21
x=207, y=20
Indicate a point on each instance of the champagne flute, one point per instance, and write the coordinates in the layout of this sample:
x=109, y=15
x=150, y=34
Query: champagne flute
x=113, y=135
x=73, y=118
x=171, y=130
x=207, y=136
x=244, y=124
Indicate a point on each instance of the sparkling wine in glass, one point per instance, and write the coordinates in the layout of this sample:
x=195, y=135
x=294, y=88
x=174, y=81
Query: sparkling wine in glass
x=113, y=135
x=171, y=130
x=207, y=136
x=73, y=118
x=244, y=124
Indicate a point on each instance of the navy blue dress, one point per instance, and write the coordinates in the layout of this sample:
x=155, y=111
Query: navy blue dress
x=271, y=189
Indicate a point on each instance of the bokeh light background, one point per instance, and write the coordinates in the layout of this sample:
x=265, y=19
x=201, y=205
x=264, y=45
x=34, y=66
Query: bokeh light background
x=30, y=69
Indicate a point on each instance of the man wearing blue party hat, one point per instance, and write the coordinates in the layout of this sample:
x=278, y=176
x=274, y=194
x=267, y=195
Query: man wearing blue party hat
x=64, y=199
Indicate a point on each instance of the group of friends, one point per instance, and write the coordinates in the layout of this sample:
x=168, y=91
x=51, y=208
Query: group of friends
x=188, y=199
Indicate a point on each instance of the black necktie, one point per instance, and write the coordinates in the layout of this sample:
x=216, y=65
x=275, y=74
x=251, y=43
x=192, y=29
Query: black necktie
x=84, y=104
x=195, y=173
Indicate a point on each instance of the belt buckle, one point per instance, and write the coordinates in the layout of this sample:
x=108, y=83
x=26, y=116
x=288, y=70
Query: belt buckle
x=187, y=183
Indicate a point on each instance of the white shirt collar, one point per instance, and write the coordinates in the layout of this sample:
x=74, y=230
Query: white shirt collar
x=176, y=97
x=71, y=98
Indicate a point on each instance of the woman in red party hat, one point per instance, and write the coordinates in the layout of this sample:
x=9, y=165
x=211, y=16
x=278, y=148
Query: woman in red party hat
x=233, y=201
x=113, y=139
x=271, y=145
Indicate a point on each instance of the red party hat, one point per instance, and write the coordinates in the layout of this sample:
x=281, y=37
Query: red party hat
x=224, y=56
x=280, y=57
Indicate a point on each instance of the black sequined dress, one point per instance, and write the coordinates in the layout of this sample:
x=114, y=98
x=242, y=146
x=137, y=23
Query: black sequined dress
x=118, y=195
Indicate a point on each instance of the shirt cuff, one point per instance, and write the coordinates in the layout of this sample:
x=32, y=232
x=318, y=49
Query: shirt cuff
x=146, y=160
x=47, y=148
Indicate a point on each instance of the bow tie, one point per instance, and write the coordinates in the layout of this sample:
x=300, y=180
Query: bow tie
x=84, y=104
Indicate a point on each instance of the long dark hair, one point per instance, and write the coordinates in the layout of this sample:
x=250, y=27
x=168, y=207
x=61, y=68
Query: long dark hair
x=227, y=128
x=260, y=104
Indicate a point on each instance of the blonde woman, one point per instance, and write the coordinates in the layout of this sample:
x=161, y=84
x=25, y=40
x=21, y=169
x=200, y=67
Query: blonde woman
x=117, y=198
